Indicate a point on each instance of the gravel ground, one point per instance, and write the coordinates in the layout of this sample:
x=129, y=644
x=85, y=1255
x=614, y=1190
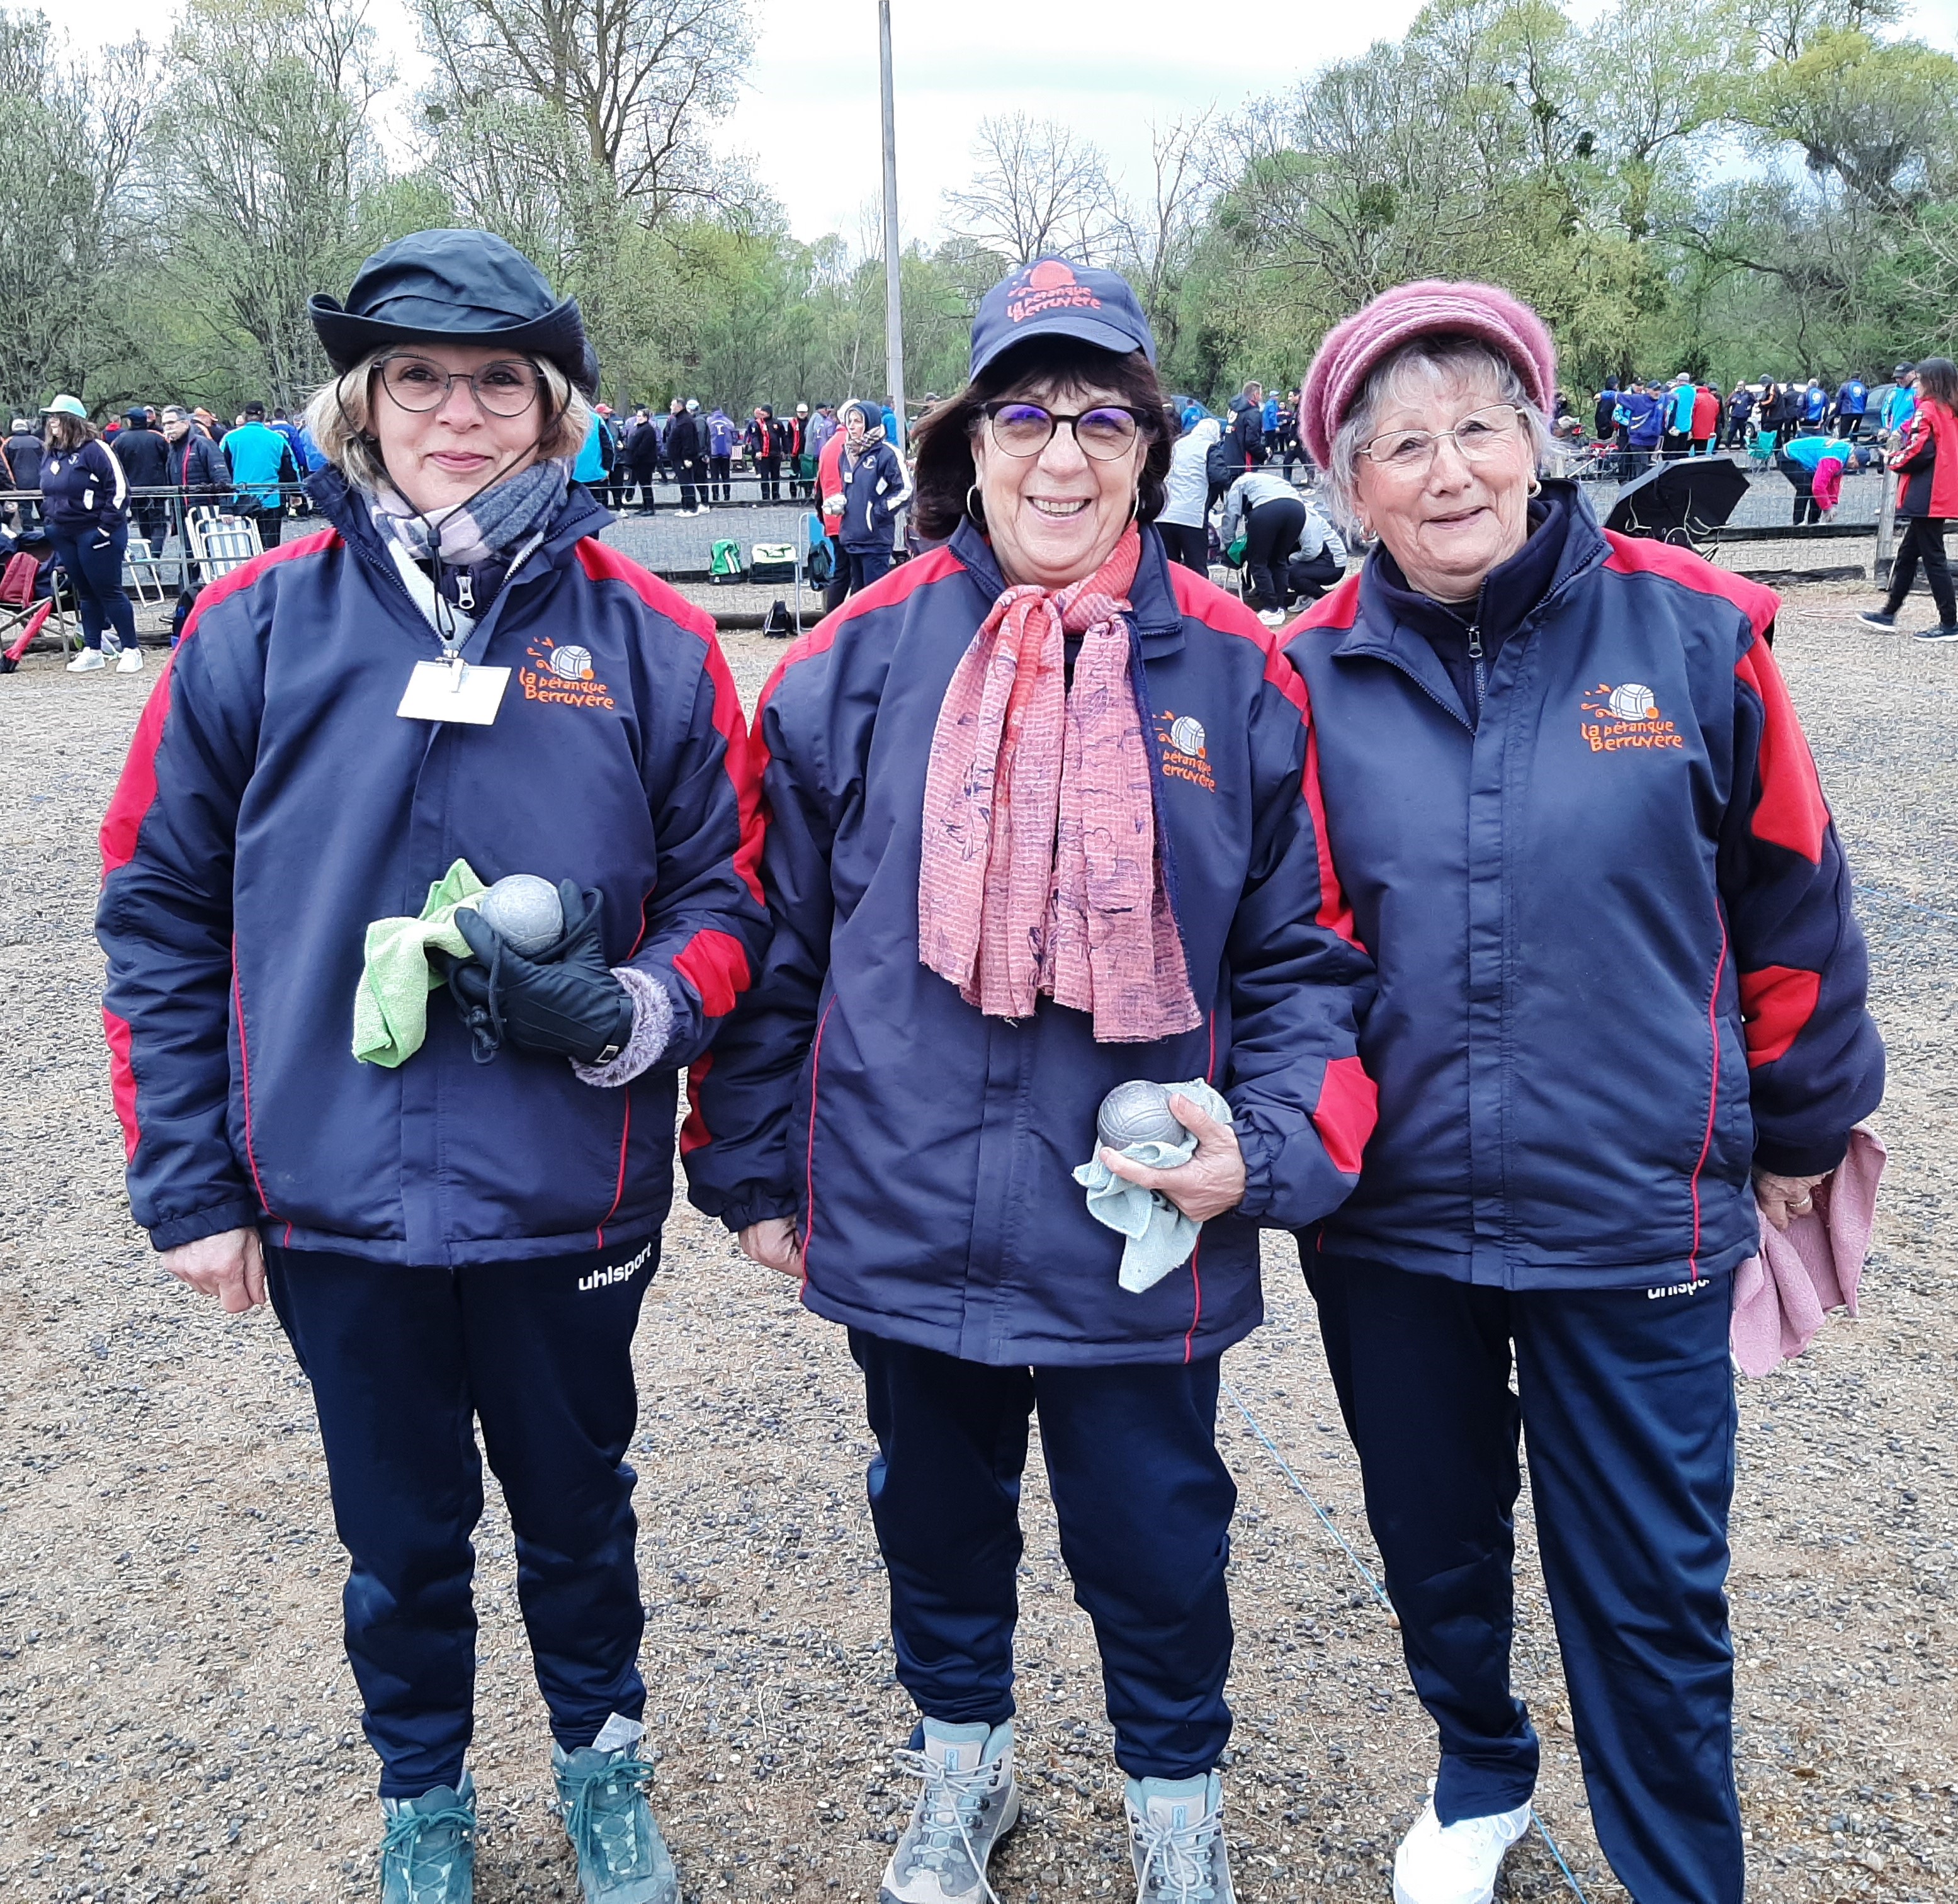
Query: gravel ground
x=176, y=1718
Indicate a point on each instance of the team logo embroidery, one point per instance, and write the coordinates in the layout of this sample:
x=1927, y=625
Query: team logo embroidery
x=1048, y=286
x=1628, y=716
x=563, y=675
x=618, y=1272
x=1184, y=749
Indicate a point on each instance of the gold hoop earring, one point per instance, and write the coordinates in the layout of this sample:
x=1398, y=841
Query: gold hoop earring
x=973, y=508
x=1136, y=504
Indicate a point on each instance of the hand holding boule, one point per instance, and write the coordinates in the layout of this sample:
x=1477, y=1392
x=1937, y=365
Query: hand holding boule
x=1210, y=1183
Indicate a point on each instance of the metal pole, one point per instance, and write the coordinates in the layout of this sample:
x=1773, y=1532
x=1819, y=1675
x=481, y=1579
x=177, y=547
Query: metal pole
x=1886, y=549
x=894, y=302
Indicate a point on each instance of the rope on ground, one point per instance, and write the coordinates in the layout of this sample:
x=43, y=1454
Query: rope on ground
x=1373, y=1586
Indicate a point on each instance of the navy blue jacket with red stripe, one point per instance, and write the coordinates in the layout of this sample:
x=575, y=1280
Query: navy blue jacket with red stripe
x=1617, y=961
x=925, y=1148
x=273, y=804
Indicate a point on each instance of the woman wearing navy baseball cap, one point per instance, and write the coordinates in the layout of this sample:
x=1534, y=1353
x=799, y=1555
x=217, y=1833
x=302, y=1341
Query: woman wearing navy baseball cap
x=1041, y=824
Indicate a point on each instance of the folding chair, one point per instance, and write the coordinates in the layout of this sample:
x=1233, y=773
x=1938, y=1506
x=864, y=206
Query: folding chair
x=22, y=618
x=220, y=543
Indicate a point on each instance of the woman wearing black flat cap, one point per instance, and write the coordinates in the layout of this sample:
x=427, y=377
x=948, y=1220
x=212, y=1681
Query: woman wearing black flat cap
x=455, y=672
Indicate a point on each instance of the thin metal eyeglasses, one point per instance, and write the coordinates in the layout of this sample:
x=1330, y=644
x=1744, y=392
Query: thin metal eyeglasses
x=1482, y=436
x=507, y=387
x=1107, y=433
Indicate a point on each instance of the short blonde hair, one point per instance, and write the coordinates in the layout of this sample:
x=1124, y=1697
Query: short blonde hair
x=340, y=419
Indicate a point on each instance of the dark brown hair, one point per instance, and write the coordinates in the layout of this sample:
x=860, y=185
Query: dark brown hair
x=1938, y=377
x=66, y=432
x=944, y=471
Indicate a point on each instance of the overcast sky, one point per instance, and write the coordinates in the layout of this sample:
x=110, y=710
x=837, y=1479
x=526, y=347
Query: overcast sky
x=1106, y=68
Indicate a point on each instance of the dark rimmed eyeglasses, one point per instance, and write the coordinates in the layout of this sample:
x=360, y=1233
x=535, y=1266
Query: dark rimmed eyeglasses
x=1107, y=433
x=507, y=387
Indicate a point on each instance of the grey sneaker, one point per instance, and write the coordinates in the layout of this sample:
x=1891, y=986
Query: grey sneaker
x=969, y=1803
x=1176, y=1841
x=428, y=1855
x=622, y=1858
x=1943, y=632
x=1878, y=618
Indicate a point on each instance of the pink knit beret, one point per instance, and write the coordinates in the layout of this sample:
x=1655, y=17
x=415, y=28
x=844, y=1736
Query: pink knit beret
x=1432, y=308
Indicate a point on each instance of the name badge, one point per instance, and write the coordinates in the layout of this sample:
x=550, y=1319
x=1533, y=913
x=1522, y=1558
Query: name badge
x=453, y=691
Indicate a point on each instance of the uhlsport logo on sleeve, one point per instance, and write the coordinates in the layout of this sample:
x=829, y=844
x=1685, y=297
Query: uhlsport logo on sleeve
x=1628, y=717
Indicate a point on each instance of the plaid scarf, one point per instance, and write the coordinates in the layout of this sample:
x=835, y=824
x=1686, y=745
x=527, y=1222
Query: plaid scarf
x=490, y=525
x=1039, y=870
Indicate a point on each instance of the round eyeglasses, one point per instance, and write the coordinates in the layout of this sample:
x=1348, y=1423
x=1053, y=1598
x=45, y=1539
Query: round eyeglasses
x=504, y=388
x=1107, y=433
x=1482, y=436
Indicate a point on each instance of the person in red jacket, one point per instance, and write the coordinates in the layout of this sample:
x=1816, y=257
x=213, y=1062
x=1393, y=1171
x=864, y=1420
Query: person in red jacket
x=1926, y=459
x=1705, y=419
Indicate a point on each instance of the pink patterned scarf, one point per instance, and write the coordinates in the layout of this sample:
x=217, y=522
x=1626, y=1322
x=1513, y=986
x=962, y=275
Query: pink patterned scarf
x=1039, y=871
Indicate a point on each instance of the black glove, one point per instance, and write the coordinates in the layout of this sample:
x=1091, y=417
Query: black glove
x=566, y=1001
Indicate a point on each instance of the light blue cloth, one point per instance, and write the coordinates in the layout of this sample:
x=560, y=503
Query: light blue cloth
x=1160, y=1236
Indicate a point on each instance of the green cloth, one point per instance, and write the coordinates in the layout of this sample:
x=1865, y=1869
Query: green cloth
x=391, y=1002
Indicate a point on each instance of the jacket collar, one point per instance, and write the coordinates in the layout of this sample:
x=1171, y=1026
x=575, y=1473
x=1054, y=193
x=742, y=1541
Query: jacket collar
x=336, y=500
x=1387, y=626
x=1157, y=619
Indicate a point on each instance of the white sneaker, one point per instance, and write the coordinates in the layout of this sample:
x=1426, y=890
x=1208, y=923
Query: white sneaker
x=130, y=661
x=1273, y=617
x=87, y=661
x=1456, y=1864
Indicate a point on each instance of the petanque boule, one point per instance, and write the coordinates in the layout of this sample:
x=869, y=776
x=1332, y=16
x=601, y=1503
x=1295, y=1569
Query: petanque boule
x=1138, y=1113
x=525, y=912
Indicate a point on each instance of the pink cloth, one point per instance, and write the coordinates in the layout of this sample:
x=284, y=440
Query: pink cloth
x=1782, y=1297
x=1827, y=486
x=1038, y=871
x=1431, y=307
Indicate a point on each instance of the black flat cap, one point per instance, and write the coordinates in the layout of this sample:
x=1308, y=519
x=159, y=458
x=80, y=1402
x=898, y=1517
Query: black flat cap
x=457, y=287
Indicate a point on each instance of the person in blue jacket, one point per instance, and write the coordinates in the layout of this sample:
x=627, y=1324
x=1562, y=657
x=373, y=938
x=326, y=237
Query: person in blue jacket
x=1642, y=417
x=875, y=489
x=1621, y=1020
x=261, y=459
x=1850, y=406
x=895, y=1112
x=85, y=499
x=456, y=670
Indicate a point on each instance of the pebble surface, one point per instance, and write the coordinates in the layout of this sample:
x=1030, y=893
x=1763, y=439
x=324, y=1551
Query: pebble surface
x=177, y=1720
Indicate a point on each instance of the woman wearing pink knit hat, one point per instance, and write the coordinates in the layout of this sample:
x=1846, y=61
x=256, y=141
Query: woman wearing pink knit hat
x=1620, y=1022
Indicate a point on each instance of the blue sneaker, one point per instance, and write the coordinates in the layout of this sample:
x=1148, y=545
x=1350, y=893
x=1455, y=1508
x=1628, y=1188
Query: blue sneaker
x=428, y=1854
x=1176, y=1841
x=622, y=1858
x=970, y=1802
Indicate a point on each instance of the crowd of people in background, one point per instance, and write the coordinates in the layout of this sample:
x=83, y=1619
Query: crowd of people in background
x=1239, y=488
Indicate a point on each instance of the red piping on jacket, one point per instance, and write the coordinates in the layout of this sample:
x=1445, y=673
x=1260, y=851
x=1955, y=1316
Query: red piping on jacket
x=1196, y=1291
x=808, y=1177
x=1712, y=1102
x=625, y=1092
x=245, y=1091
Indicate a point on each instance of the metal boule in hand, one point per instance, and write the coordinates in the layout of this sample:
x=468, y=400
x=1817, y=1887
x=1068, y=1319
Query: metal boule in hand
x=1138, y=1113
x=525, y=912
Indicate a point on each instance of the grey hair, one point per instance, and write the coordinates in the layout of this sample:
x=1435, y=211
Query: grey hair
x=1420, y=365
x=340, y=420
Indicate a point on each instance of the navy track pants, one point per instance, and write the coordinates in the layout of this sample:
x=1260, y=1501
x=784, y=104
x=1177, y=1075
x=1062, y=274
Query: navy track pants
x=1625, y=1401
x=400, y=1361
x=1144, y=1500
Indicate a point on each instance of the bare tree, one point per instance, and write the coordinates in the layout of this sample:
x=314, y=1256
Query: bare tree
x=263, y=154
x=1158, y=237
x=72, y=134
x=1038, y=187
x=635, y=83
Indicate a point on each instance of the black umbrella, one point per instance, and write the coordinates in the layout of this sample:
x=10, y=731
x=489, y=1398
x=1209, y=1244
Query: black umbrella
x=1679, y=501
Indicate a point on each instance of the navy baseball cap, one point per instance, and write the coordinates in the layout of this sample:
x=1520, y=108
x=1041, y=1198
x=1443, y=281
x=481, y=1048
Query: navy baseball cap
x=1052, y=298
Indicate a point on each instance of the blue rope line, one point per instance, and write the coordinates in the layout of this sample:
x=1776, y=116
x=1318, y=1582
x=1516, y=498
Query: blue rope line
x=1379, y=1592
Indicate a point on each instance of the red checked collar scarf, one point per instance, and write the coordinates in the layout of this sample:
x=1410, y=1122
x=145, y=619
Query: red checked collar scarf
x=1039, y=871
